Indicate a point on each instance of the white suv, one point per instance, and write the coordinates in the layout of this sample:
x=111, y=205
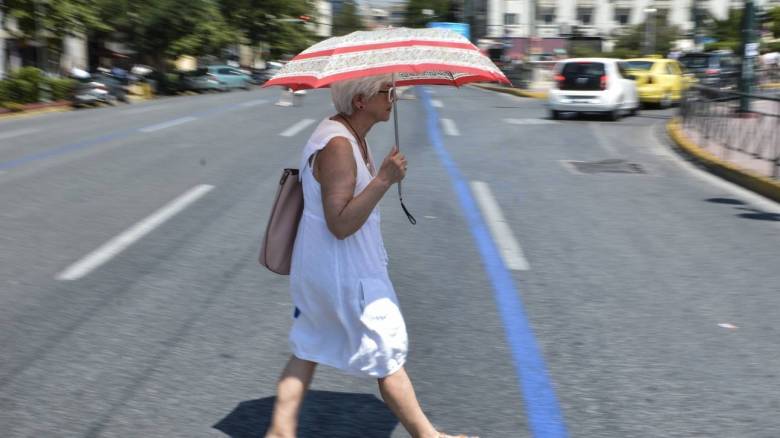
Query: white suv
x=592, y=85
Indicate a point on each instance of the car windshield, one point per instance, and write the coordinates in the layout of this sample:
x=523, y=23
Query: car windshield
x=582, y=75
x=640, y=65
x=695, y=61
x=197, y=72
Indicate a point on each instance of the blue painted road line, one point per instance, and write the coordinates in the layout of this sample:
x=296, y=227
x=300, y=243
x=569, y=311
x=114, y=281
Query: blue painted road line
x=71, y=147
x=544, y=415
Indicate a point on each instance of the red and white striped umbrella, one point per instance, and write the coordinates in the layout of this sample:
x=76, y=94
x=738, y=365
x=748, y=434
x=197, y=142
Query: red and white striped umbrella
x=417, y=56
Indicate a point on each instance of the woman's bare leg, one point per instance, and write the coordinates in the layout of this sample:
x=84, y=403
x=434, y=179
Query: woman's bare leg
x=292, y=386
x=398, y=393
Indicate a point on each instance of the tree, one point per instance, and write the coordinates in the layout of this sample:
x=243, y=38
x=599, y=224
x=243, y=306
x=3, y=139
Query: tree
x=347, y=20
x=443, y=10
x=773, y=21
x=632, y=43
x=728, y=30
x=271, y=22
x=57, y=18
x=164, y=29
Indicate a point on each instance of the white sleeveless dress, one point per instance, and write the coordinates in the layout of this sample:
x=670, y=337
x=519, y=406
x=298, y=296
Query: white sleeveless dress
x=347, y=314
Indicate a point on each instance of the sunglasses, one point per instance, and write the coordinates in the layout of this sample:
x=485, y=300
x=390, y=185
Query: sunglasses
x=390, y=94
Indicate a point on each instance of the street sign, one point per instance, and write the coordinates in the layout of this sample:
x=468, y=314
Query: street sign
x=751, y=49
x=461, y=28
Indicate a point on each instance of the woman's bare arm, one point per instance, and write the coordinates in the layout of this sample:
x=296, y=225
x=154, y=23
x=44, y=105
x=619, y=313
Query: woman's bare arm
x=336, y=171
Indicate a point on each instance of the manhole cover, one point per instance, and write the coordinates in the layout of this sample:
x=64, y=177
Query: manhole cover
x=607, y=166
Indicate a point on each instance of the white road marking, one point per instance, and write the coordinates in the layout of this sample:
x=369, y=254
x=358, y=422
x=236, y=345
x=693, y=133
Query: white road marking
x=449, y=127
x=253, y=103
x=570, y=167
x=600, y=139
x=145, y=109
x=503, y=237
x=727, y=325
x=296, y=128
x=168, y=124
x=120, y=242
x=437, y=103
x=529, y=122
x=17, y=133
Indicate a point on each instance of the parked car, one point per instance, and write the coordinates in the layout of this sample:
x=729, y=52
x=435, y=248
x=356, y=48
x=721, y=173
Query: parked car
x=230, y=76
x=592, y=85
x=658, y=81
x=720, y=69
x=200, y=80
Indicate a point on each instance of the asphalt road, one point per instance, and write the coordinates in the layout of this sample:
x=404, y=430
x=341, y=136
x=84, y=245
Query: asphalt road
x=633, y=304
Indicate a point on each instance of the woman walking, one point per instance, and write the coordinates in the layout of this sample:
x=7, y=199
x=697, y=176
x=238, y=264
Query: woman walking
x=347, y=314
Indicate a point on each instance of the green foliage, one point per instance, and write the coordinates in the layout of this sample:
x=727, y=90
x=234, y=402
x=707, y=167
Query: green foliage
x=773, y=46
x=264, y=21
x=442, y=11
x=57, y=17
x=61, y=89
x=734, y=46
x=347, y=20
x=632, y=42
x=728, y=30
x=164, y=29
x=774, y=21
x=22, y=86
x=12, y=106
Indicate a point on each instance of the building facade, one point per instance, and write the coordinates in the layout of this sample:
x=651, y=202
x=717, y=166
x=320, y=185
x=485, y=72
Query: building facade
x=595, y=18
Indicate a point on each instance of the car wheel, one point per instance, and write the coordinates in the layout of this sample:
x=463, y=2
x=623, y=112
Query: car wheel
x=555, y=115
x=613, y=115
x=634, y=111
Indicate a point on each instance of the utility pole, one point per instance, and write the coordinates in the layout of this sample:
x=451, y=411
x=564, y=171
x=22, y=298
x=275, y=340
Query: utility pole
x=650, y=30
x=697, y=25
x=749, y=53
x=2, y=42
x=531, y=26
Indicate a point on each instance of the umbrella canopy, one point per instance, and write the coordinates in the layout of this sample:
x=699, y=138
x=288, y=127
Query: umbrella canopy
x=418, y=56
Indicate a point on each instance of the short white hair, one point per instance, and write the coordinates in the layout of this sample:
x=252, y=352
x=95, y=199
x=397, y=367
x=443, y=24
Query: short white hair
x=343, y=92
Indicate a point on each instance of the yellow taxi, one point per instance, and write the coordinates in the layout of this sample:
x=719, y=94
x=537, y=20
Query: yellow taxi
x=659, y=81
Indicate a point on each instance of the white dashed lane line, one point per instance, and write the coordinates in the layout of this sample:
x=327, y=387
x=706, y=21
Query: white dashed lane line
x=529, y=122
x=437, y=103
x=503, y=237
x=449, y=127
x=253, y=103
x=17, y=133
x=128, y=237
x=168, y=124
x=296, y=128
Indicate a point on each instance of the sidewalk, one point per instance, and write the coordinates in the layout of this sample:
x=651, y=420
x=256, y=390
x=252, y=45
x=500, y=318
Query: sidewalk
x=740, y=167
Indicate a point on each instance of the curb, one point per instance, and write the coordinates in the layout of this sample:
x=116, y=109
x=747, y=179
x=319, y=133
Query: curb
x=760, y=184
x=30, y=113
x=514, y=91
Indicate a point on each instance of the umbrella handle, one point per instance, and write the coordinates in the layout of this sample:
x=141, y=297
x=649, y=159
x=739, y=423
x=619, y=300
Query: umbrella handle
x=397, y=144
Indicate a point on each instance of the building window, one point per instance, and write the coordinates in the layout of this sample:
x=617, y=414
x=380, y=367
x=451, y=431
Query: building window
x=510, y=19
x=585, y=15
x=546, y=14
x=622, y=16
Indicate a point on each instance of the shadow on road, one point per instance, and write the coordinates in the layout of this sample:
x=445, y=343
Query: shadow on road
x=324, y=414
x=752, y=213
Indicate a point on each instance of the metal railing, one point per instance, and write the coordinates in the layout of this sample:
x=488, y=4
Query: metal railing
x=714, y=115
